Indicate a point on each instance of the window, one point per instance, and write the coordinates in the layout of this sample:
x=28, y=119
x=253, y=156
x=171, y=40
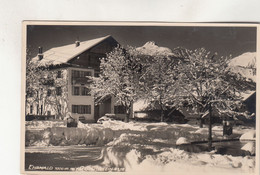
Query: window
x=31, y=109
x=80, y=77
x=75, y=90
x=120, y=109
x=58, y=91
x=49, y=92
x=41, y=109
x=85, y=91
x=83, y=74
x=81, y=109
x=37, y=109
x=59, y=75
x=75, y=74
x=85, y=109
x=80, y=74
x=75, y=109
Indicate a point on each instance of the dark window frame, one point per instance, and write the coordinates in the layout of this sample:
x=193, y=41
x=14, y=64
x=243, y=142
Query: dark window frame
x=85, y=91
x=75, y=90
x=48, y=92
x=58, y=91
x=59, y=74
x=81, y=109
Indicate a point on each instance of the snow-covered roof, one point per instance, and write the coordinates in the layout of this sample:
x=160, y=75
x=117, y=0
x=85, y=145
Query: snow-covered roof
x=246, y=60
x=245, y=95
x=244, y=64
x=60, y=55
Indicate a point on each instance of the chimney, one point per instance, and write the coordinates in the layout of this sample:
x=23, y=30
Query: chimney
x=77, y=43
x=40, y=55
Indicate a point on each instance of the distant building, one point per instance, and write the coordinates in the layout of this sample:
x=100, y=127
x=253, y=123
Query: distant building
x=73, y=64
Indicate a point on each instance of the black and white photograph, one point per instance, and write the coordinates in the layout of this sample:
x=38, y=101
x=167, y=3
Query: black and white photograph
x=139, y=97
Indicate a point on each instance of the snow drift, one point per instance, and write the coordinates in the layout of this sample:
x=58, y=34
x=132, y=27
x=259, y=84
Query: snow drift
x=42, y=124
x=121, y=153
x=61, y=136
x=250, y=135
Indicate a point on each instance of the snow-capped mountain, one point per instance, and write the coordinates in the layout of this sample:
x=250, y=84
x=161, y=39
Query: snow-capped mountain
x=245, y=64
x=150, y=48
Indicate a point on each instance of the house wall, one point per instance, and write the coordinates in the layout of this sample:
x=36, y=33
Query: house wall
x=79, y=100
x=86, y=61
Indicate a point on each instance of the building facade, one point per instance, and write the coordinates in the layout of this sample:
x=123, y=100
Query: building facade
x=68, y=92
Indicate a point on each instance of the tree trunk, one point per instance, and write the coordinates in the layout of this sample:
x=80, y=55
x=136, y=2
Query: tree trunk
x=128, y=112
x=210, y=128
x=162, y=115
x=127, y=117
x=200, y=117
x=201, y=122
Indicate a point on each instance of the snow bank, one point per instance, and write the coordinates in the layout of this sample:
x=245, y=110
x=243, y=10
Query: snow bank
x=41, y=124
x=182, y=140
x=250, y=146
x=119, y=125
x=61, y=136
x=135, y=152
x=202, y=131
x=250, y=135
x=175, y=160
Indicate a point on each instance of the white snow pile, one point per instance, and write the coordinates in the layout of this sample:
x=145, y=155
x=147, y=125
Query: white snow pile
x=202, y=131
x=182, y=140
x=244, y=64
x=62, y=136
x=119, y=125
x=42, y=124
x=250, y=135
x=250, y=146
x=174, y=160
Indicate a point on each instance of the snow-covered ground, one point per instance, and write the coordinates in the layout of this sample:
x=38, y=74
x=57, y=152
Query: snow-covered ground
x=140, y=146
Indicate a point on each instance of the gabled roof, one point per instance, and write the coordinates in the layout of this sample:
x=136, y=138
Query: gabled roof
x=63, y=54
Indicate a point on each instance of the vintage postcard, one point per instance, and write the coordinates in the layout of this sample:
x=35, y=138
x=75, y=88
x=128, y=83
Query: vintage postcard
x=151, y=98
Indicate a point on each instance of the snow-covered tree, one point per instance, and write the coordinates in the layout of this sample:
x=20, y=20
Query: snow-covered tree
x=42, y=86
x=159, y=74
x=118, y=78
x=206, y=81
x=159, y=81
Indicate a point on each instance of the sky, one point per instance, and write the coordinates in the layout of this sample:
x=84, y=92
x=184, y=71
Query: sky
x=223, y=40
